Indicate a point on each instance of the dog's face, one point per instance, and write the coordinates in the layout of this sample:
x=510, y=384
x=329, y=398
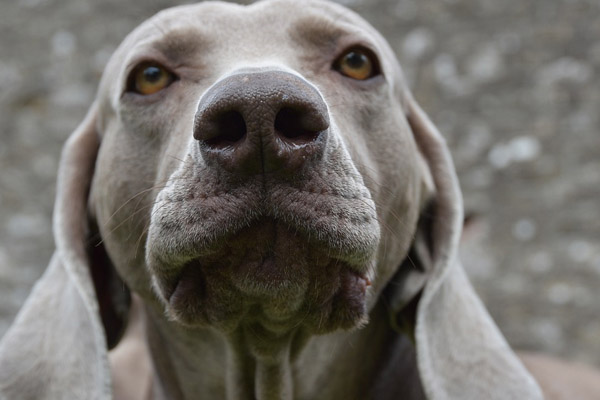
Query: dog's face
x=256, y=168
x=258, y=174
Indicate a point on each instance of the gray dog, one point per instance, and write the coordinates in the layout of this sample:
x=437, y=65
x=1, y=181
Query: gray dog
x=255, y=207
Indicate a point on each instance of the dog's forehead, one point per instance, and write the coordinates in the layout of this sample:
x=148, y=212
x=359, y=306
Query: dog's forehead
x=268, y=15
x=268, y=25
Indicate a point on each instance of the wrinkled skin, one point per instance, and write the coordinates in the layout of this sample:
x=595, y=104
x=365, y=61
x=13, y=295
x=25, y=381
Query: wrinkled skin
x=269, y=261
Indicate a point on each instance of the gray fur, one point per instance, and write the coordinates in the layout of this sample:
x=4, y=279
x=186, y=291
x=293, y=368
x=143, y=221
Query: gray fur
x=157, y=205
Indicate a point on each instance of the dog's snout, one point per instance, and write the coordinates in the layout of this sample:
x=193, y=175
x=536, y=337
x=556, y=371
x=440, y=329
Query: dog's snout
x=266, y=122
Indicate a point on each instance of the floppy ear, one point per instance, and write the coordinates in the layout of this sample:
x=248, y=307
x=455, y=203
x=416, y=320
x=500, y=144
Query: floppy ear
x=461, y=354
x=57, y=346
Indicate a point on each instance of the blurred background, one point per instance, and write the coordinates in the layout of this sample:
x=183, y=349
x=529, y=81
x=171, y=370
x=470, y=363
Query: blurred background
x=512, y=84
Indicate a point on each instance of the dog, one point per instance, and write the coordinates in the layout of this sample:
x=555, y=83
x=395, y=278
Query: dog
x=256, y=207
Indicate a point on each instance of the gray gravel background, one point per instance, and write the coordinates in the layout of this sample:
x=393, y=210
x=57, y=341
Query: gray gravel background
x=513, y=85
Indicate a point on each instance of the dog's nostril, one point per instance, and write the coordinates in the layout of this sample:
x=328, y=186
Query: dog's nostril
x=298, y=126
x=230, y=128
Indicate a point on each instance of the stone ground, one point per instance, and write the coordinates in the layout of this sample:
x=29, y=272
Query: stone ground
x=512, y=84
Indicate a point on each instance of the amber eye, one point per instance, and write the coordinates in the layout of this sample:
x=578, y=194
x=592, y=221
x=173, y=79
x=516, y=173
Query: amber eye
x=148, y=78
x=358, y=63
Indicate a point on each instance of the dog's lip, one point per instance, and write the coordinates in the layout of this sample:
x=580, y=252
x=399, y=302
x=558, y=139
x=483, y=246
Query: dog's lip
x=329, y=223
x=171, y=269
x=193, y=270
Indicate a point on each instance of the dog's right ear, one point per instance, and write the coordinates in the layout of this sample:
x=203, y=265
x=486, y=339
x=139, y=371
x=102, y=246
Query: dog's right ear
x=461, y=354
x=57, y=346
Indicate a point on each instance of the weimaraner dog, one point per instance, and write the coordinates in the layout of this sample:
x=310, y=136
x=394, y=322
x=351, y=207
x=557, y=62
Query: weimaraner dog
x=255, y=207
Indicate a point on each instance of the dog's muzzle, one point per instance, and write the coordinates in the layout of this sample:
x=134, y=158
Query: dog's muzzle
x=266, y=221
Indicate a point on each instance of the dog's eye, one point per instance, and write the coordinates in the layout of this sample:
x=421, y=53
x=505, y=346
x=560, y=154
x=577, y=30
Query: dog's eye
x=148, y=78
x=358, y=63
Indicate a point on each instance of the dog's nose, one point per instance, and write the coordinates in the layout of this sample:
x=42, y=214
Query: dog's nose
x=265, y=122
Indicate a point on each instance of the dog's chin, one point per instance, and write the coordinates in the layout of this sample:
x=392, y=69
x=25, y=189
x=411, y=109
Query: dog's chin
x=270, y=277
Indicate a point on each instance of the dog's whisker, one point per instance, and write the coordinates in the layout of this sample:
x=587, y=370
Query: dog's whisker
x=175, y=158
x=146, y=227
x=124, y=221
x=140, y=193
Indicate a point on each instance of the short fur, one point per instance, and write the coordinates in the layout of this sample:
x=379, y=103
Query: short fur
x=366, y=298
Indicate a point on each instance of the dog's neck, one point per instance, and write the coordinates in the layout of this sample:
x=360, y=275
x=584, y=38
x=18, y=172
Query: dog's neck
x=372, y=362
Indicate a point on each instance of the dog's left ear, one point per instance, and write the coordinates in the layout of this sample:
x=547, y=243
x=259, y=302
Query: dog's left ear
x=461, y=354
x=57, y=346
